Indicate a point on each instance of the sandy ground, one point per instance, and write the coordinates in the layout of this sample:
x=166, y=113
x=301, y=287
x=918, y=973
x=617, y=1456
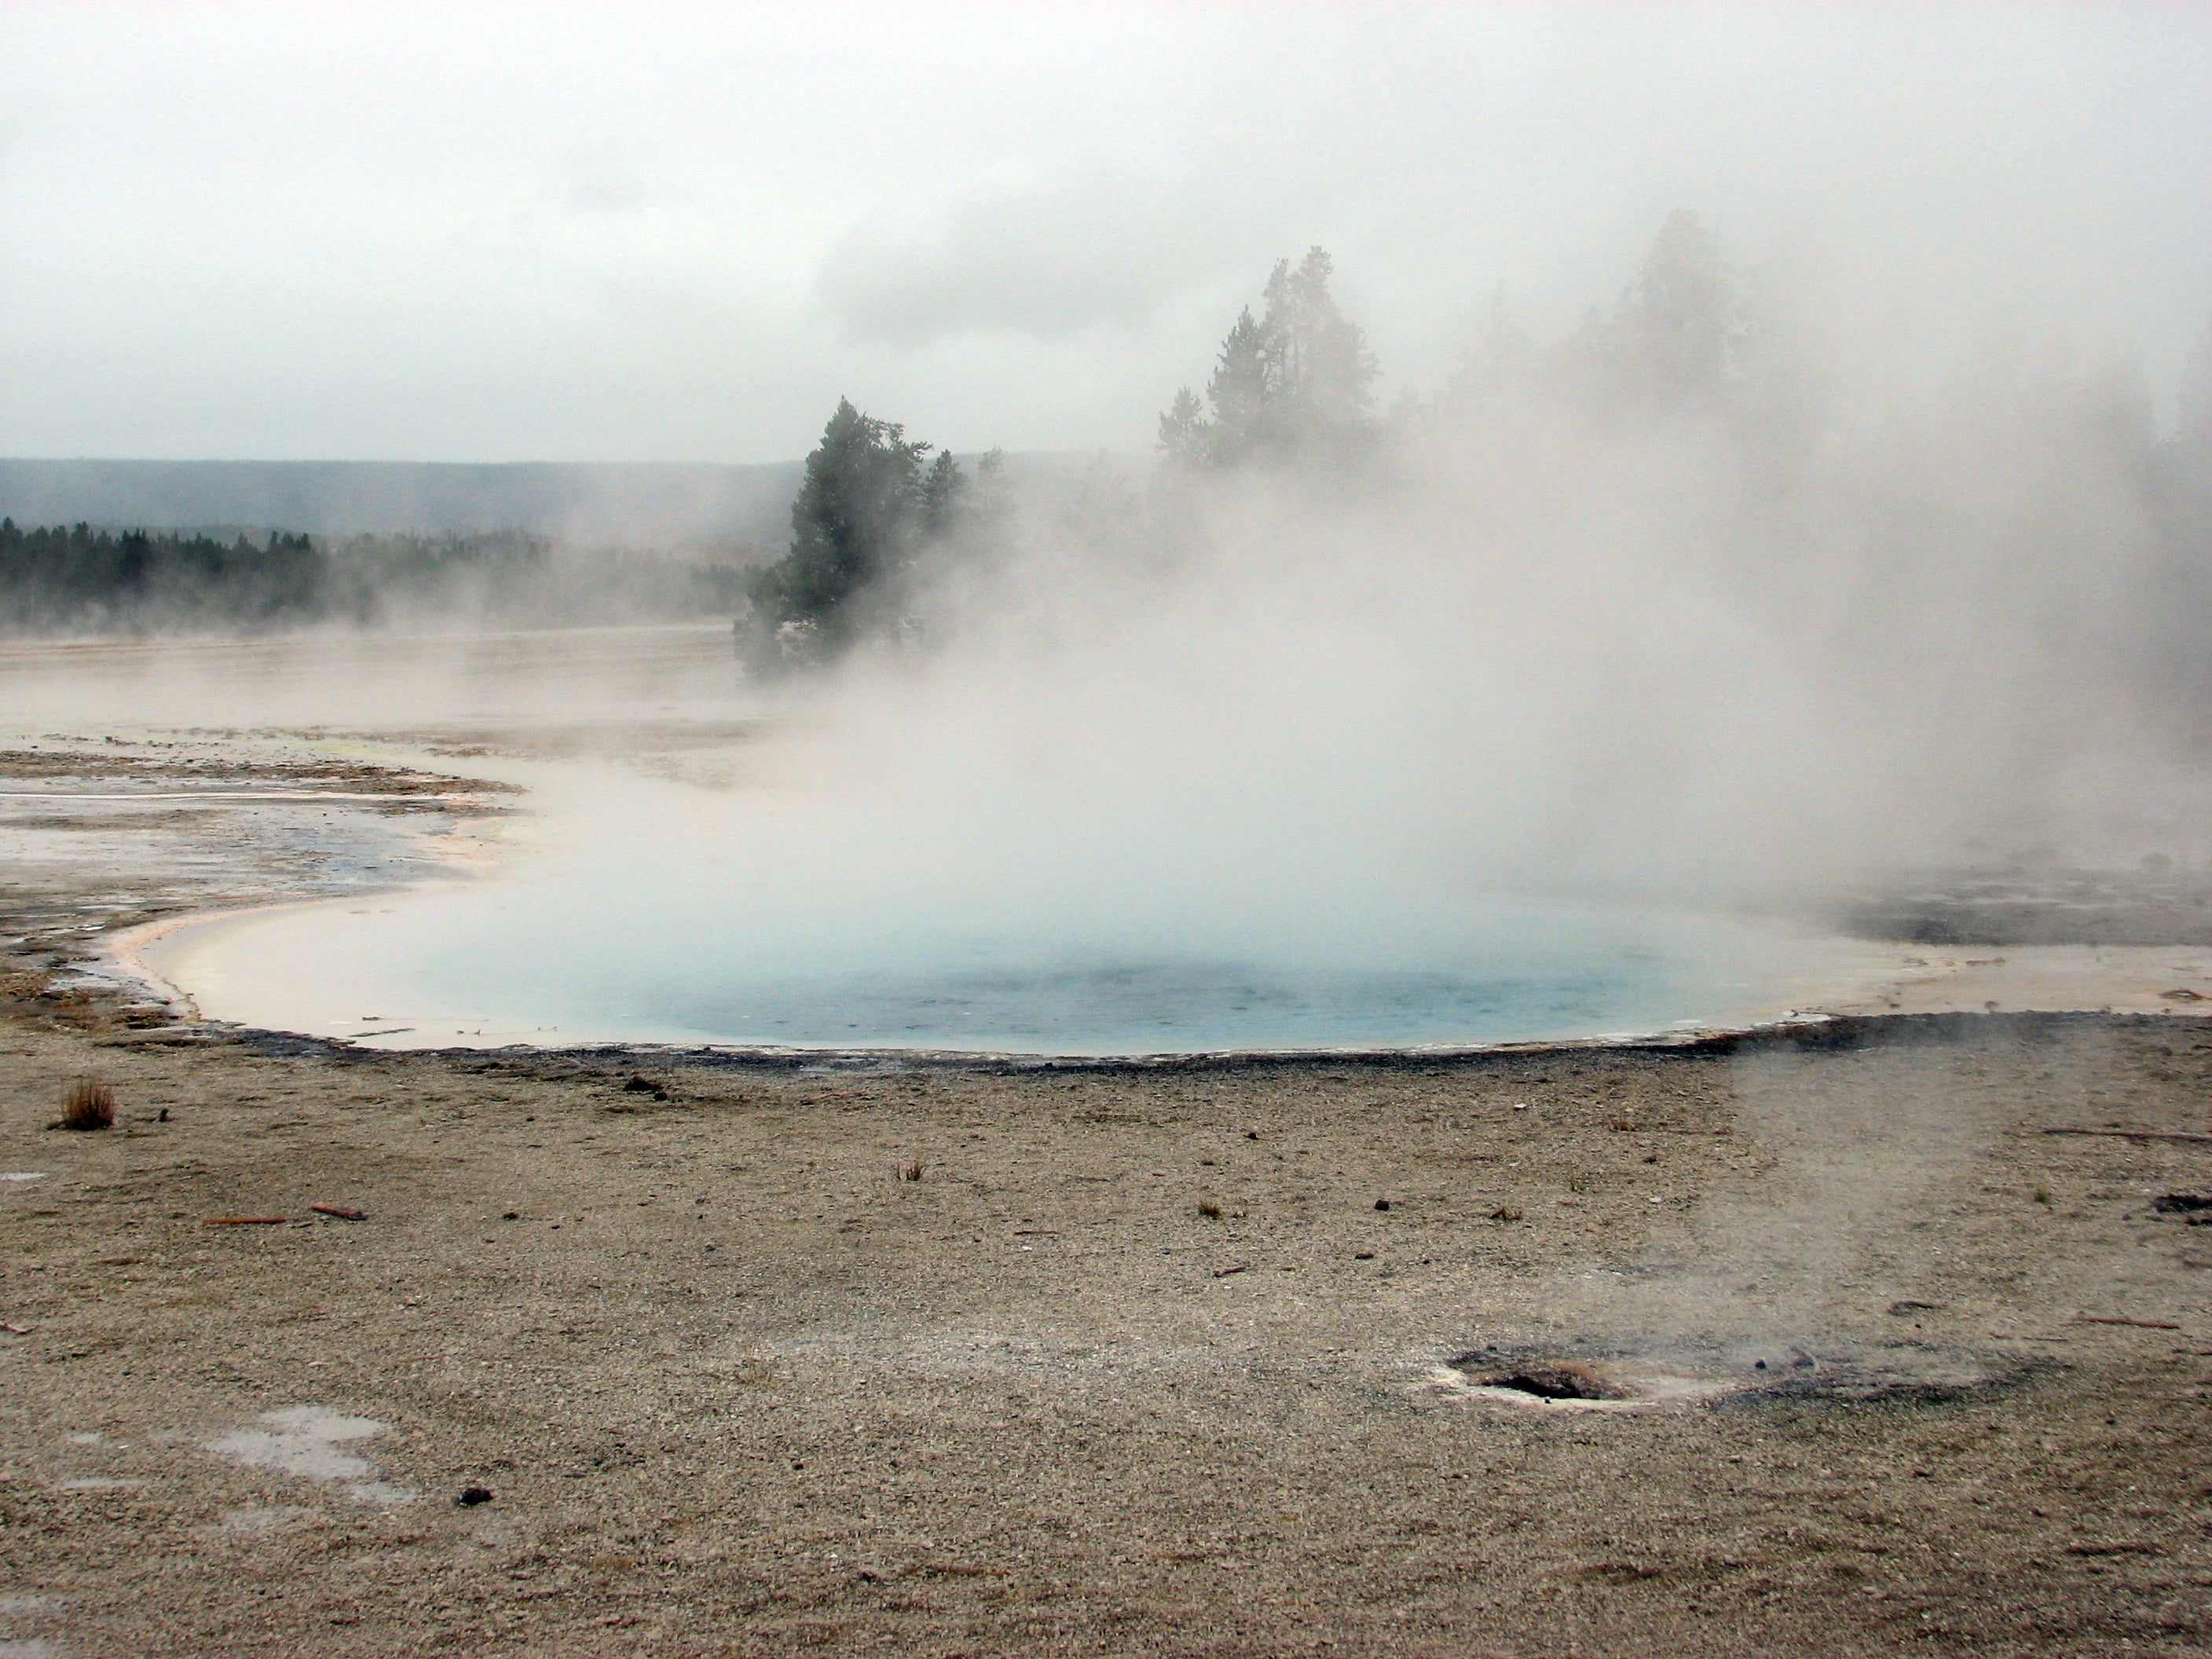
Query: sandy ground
x=759, y=1357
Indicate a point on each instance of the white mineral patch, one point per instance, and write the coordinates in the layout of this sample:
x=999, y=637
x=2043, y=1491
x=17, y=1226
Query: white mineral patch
x=23, y=1175
x=1643, y=1391
x=309, y=1441
x=17, y=1610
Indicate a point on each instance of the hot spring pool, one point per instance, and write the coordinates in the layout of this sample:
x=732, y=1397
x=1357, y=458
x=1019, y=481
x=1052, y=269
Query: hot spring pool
x=542, y=964
x=630, y=910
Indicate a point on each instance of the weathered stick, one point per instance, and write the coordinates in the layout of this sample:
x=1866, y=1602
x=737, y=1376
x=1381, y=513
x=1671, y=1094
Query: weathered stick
x=2137, y=1134
x=2139, y=1324
x=340, y=1210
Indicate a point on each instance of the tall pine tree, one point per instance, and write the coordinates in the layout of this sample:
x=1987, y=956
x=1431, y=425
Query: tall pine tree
x=854, y=520
x=870, y=522
x=1294, y=385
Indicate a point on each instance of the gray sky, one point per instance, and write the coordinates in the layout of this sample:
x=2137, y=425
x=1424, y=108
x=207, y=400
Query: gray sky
x=633, y=233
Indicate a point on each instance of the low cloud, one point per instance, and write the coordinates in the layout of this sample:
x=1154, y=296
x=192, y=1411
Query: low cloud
x=598, y=178
x=1046, y=255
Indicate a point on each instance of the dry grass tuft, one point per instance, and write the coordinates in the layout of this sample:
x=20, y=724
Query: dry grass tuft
x=88, y=1105
x=911, y=1171
x=1209, y=1209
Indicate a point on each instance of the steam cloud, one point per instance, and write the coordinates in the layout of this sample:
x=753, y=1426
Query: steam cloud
x=1568, y=634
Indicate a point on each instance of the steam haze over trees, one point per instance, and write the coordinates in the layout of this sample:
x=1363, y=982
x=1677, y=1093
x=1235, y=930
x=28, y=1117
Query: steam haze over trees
x=1296, y=385
x=78, y=580
x=2021, y=526
x=1708, y=435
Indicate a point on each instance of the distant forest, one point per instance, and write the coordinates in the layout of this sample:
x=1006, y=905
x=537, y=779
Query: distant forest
x=79, y=579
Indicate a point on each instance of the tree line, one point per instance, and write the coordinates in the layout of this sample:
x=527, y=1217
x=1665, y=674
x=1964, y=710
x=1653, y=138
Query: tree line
x=884, y=526
x=1689, y=351
x=78, y=579
x=1293, y=390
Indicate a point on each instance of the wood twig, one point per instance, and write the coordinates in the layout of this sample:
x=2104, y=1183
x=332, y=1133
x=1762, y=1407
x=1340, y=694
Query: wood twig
x=2139, y=1324
x=2137, y=1134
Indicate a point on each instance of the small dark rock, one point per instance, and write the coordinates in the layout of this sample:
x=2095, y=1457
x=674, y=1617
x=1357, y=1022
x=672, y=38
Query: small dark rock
x=511, y=1215
x=2181, y=1203
x=1363, y=1256
x=472, y=1496
x=1382, y=1203
x=1759, y=1364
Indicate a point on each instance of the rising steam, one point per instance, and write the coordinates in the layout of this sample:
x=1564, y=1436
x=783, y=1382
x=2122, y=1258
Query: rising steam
x=1690, y=607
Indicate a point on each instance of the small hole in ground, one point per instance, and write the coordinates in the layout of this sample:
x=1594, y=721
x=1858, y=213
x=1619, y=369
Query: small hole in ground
x=1549, y=1382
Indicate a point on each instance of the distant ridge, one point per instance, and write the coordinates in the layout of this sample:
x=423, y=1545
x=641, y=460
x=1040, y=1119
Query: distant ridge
x=670, y=504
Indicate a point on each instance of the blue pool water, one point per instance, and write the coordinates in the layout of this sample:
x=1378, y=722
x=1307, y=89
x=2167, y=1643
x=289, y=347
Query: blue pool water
x=547, y=964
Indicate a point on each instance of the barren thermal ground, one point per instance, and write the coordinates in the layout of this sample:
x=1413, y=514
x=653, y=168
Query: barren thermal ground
x=1200, y=832
x=1887, y=1334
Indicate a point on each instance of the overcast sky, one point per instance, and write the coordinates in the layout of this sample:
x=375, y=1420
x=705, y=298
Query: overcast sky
x=679, y=233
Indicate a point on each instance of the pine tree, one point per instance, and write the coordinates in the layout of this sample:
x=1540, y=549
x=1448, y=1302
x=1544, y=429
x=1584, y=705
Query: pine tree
x=986, y=506
x=1683, y=326
x=943, y=491
x=856, y=520
x=1293, y=385
x=1244, y=392
x=1183, y=430
x=1325, y=371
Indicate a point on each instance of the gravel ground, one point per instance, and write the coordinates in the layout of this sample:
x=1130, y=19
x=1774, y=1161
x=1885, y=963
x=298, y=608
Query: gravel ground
x=753, y=1358
x=738, y=1384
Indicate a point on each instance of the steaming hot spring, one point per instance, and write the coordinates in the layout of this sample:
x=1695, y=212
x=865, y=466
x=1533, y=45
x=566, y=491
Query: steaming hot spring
x=645, y=910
